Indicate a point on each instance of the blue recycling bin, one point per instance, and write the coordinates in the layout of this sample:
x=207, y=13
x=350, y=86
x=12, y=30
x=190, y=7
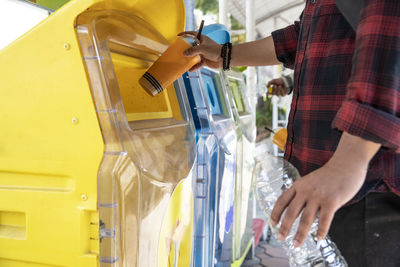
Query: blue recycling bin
x=214, y=184
x=225, y=129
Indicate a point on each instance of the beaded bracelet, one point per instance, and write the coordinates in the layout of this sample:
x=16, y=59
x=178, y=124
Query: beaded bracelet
x=223, y=55
x=226, y=54
x=228, y=65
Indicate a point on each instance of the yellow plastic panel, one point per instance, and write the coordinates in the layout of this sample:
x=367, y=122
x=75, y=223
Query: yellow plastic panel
x=16, y=263
x=50, y=148
x=168, y=17
x=12, y=225
x=52, y=145
x=175, y=243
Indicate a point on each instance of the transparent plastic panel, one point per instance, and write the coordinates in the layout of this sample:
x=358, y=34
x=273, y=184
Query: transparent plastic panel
x=238, y=78
x=215, y=91
x=238, y=96
x=243, y=232
x=145, y=202
x=198, y=104
x=240, y=104
x=225, y=215
x=239, y=198
x=246, y=131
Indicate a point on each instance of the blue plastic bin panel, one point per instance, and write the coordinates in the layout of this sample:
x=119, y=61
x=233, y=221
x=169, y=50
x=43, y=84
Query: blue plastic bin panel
x=215, y=169
x=206, y=175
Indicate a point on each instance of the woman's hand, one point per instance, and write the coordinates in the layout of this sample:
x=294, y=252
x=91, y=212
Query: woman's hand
x=324, y=190
x=278, y=87
x=208, y=50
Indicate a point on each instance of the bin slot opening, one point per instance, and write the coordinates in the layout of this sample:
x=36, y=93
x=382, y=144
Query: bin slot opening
x=213, y=90
x=127, y=47
x=237, y=88
x=131, y=59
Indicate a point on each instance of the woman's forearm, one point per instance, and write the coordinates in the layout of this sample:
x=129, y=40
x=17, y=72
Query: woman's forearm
x=256, y=53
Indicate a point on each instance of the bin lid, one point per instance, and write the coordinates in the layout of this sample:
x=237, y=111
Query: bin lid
x=217, y=32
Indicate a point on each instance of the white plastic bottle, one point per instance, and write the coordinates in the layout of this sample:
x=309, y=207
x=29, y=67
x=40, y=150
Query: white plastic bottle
x=271, y=177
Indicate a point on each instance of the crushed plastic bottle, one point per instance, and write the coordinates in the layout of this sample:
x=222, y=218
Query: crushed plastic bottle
x=272, y=176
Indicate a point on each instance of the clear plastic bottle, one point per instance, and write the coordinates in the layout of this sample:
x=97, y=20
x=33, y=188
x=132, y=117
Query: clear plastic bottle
x=271, y=177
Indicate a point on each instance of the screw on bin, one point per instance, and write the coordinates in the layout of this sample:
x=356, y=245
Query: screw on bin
x=75, y=120
x=84, y=197
x=67, y=46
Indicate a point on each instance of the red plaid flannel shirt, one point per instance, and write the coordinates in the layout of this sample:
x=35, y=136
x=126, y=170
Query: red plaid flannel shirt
x=344, y=81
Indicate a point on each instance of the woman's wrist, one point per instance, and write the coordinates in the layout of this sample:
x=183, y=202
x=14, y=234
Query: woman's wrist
x=353, y=153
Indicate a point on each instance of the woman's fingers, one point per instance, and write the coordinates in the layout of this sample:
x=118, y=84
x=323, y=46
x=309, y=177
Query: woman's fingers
x=193, y=33
x=307, y=218
x=197, y=66
x=292, y=212
x=325, y=219
x=281, y=204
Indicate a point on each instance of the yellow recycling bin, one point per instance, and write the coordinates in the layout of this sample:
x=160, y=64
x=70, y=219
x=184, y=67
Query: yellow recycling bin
x=93, y=171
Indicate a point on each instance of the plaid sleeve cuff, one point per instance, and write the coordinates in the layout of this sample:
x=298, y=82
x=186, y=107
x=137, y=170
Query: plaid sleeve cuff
x=285, y=41
x=369, y=123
